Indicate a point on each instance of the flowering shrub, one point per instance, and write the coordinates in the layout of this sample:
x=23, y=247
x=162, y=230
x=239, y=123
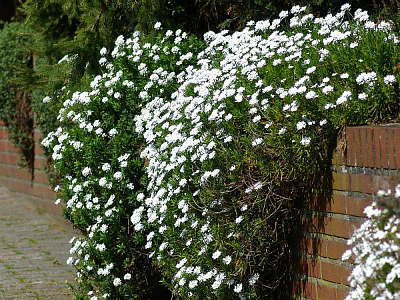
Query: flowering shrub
x=211, y=152
x=96, y=151
x=221, y=150
x=376, y=274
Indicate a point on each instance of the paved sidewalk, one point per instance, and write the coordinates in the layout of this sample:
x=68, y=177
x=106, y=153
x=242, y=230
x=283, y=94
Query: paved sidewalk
x=34, y=248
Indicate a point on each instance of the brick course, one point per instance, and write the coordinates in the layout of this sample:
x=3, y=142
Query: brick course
x=19, y=179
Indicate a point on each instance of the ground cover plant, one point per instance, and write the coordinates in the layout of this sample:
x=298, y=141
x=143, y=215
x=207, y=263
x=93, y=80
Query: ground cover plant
x=376, y=243
x=200, y=158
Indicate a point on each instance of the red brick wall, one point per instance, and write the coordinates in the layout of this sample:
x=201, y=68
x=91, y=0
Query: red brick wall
x=19, y=179
x=370, y=162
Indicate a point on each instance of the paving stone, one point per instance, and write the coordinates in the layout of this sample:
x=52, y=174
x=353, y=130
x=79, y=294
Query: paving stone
x=33, y=252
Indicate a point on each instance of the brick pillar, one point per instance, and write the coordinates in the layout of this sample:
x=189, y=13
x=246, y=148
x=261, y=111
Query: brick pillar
x=370, y=162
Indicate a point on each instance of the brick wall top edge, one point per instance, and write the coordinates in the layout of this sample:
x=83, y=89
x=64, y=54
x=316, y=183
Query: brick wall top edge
x=370, y=146
x=389, y=125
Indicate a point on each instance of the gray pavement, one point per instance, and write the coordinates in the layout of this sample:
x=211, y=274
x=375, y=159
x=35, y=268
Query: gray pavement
x=34, y=248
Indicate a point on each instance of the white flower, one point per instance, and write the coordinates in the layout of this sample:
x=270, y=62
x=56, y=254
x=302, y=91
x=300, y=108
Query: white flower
x=311, y=70
x=113, y=132
x=70, y=260
x=353, y=45
x=283, y=14
x=239, y=219
x=362, y=96
x=102, y=181
x=86, y=171
x=327, y=89
x=193, y=284
x=238, y=288
x=388, y=79
x=117, y=282
x=228, y=139
x=103, y=228
x=346, y=255
x=228, y=117
x=127, y=276
x=182, y=281
x=345, y=7
x=305, y=141
x=257, y=142
x=341, y=100
x=216, y=254
x=102, y=61
x=366, y=78
x=329, y=106
x=276, y=62
x=46, y=99
x=101, y=247
x=117, y=176
x=106, y=167
x=300, y=125
x=227, y=260
x=181, y=263
x=254, y=279
x=103, y=51
x=256, y=119
x=157, y=26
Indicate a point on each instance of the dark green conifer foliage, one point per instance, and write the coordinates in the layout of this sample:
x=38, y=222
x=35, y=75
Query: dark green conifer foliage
x=200, y=16
x=83, y=27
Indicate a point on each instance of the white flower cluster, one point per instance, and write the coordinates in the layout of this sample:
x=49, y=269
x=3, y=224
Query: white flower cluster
x=184, y=134
x=96, y=185
x=376, y=252
x=200, y=119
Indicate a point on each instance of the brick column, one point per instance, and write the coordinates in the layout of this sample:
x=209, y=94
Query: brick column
x=370, y=161
x=19, y=179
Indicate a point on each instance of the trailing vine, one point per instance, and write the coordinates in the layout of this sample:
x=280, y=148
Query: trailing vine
x=15, y=105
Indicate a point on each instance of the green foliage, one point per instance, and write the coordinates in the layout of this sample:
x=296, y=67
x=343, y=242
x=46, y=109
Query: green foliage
x=77, y=29
x=82, y=27
x=111, y=251
x=202, y=159
x=279, y=172
x=15, y=108
x=67, y=27
x=7, y=10
x=204, y=15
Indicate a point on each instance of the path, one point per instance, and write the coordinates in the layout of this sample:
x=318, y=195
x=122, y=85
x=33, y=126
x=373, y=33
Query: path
x=34, y=248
